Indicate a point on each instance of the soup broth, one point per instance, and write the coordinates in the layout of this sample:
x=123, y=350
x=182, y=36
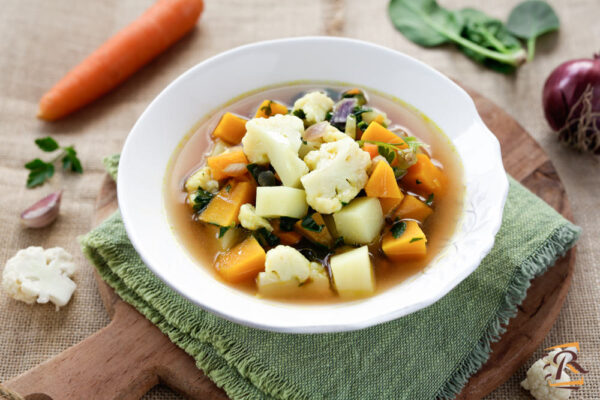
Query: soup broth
x=200, y=239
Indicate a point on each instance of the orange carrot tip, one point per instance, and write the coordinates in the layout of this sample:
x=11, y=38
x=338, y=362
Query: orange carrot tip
x=121, y=56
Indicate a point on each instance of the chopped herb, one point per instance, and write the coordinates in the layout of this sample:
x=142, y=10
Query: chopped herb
x=362, y=125
x=228, y=188
x=418, y=182
x=299, y=113
x=328, y=116
x=429, y=200
x=201, y=199
x=266, y=238
x=309, y=223
x=344, y=203
x=387, y=153
x=398, y=229
x=286, y=224
x=399, y=172
x=356, y=94
x=415, y=239
x=338, y=242
x=304, y=142
x=40, y=171
x=223, y=230
x=267, y=109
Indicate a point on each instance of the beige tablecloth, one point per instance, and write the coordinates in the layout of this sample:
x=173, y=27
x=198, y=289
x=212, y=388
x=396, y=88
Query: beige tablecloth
x=40, y=40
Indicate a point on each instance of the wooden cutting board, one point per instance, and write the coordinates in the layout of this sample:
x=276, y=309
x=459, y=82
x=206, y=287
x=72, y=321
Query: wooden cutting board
x=129, y=356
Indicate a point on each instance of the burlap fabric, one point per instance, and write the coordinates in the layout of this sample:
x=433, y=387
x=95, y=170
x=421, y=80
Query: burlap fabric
x=40, y=40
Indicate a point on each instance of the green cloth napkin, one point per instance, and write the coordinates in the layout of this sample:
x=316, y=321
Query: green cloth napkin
x=426, y=355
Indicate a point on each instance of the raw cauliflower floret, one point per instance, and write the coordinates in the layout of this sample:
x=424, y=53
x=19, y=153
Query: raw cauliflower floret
x=537, y=384
x=330, y=134
x=276, y=140
x=250, y=220
x=338, y=173
x=201, y=179
x=315, y=106
x=289, y=273
x=35, y=274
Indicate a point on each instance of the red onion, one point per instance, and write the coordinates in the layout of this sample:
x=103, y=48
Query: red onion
x=315, y=131
x=571, y=100
x=342, y=109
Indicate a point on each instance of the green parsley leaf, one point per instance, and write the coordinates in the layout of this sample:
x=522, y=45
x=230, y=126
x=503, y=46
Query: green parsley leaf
x=399, y=172
x=415, y=239
x=286, y=224
x=328, y=116
x=387, y=153
x=398, y=229
x=362, y=125
x=429, y=200
x=309, y=223
x=39, y=172
x=70, y=160
x=299, y=113
x=266, y=238
x=47, y=144
x=201, y=199
x=267, y=109
x=223, y=230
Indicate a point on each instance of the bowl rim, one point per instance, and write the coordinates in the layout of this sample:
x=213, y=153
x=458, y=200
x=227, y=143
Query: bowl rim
x=304, y=328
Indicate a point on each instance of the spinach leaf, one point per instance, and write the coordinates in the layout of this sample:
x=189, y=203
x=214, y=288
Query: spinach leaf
x=530, y=19
x=286, y=224
x=266, y=238
x=426, y=23
x=223, y=230
x=310, y=224
x=398, y=229
x=201, y=199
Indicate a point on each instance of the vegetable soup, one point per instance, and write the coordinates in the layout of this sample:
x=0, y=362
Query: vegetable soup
x=314, y=192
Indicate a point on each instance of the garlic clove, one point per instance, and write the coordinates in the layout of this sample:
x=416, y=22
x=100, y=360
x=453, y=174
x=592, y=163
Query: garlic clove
x=42, y=213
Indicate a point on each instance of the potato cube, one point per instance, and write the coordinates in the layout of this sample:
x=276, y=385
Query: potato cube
x=410, y=245
x=280, y=201
x=360, y=221
x=353, y=273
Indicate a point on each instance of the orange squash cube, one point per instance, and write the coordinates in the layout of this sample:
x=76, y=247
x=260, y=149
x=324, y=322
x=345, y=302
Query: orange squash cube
x=413, y=208
x=377, y=133
x=231, y=128
x=410, y=245
x=389, y=205
x=323, y=237
x=424, y=177
x=228, y=164
x=224, y=208
x=382, y=182
x=268, y=108
x=243, y=262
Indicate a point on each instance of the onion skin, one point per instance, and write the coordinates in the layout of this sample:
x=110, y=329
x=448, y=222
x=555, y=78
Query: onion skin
x=565, y=86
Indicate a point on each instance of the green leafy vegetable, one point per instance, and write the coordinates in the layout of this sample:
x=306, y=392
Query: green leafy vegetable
x=47, y=144
x=426, y=23
x=429, y=200
x=299, y=113
x=328, y=116
x=201, y=199
x=286, y=224
x=387, y=153
x=40, y=171
x=223, y=230
x=399, y=172
x=414, y=143
x=266, y=238
x=338, y=242
x=310, y=224
x=415, y=239
x=398, y=229
x=530, y=19
x=267, y=109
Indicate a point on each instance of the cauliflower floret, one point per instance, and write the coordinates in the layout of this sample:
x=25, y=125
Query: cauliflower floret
x=315, y=106
x=289, y=273
x=339, y=172
x=537, y=384
x=35, y=274
x=250, y=220
x=202, y=179
x=330, y=134
x=276, y=140
x=333, y=134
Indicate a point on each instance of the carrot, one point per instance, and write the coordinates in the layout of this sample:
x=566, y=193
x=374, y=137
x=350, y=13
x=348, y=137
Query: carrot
x=134, y=46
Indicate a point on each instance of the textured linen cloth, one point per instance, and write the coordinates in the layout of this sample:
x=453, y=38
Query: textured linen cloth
x=41, y=40
x=445, y=343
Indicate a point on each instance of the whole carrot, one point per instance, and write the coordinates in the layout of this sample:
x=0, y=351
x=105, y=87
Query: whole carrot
x=134, y=46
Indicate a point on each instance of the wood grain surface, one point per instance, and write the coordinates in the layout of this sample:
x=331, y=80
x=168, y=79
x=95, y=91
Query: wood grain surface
x=129, y=356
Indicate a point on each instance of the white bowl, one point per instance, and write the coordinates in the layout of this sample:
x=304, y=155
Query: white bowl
x=206, y=86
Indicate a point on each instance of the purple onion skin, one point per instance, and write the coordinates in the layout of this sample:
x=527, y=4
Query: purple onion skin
x=342, y=109
x=566, y=84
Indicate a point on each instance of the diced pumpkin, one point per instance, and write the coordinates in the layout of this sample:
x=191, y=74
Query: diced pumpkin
x=322, y=237
x=377, y=133
x=243, y=262
x=413, y=208
x=224, y=208
x=228, y=164
x=286, y=237
x=388, y=206
x=410, y=245
x=424, y=177
x=268, y=108
x=380, y=119
x=382, y=182
x=371, y=149
x=231, y=128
